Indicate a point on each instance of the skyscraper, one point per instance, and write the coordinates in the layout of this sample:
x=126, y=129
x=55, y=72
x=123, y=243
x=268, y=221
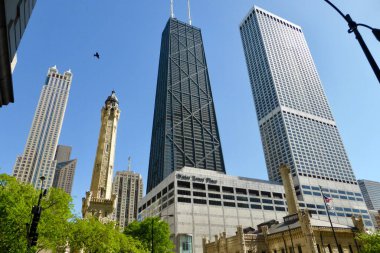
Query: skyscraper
x=185, y=131
x=64, y=173
x=14, y=17
x=99, y=201
x=128, y=188
x=38, y=157
x=296, y=125
x=371, y=193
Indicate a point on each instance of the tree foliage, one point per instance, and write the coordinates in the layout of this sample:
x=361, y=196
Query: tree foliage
x=143, y=232
x=370, y=243
x=93, y=236
x=16, y=201
x=58, y=227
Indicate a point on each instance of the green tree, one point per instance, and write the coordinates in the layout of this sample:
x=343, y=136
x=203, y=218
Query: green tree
x=370, y=243
x=143, y=232
x=57, y=228
x=16, y=201
x=92, y=236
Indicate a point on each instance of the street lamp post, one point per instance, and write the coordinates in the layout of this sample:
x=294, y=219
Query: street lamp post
x=36, y=211
x=161, y=216
x=354, y=28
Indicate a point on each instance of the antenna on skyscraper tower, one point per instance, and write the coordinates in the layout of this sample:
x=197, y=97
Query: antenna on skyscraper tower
x=171, y=9
x=188, y=11
x=129, y=163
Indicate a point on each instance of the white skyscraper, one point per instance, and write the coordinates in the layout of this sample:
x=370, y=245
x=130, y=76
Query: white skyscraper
x=296, y=125
x=128, y=187
x=38, y=157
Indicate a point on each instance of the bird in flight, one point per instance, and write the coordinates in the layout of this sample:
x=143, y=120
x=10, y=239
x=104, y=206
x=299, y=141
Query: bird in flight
x=97, y=55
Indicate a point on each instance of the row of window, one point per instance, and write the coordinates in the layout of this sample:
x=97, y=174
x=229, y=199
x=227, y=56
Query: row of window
x=231, y=190
x=230, y=204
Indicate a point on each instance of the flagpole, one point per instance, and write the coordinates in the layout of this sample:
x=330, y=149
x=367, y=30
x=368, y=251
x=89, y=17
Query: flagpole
x=328, y=215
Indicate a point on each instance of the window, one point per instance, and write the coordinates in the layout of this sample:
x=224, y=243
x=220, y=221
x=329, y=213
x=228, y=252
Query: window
x=212, y=187
x=198, y=186
x=257, y=200
x=240, y=198
x=185, y=200
x=213, y=195
x=183, y=184
x=242, y=205
x=254, y=206
x=267, y=201
x=214, y=203
x=268, y=208
x=183, y=192
x=171, y=186
x=241, y=191
x=227, y=189
x=254, y=193
x=266, y=194
x=231, y=197
x=199, y=194
x=199, y=201
x=280, y=208
x=230, y=204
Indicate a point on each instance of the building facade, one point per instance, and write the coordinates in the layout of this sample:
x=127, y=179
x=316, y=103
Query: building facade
x=185, y=131
x=38, y=157
x=205, y=203
x=64, y=173
x=298, y=232
x=371, y=193
x=128, y=188
x=14, y=17
x=296, y=125
x=100, y=201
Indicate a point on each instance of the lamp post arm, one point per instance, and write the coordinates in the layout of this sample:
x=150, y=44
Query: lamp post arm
x=354, y=28
x=336, y=8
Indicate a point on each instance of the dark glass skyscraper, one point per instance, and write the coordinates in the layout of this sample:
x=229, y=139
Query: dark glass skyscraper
x=185, y=131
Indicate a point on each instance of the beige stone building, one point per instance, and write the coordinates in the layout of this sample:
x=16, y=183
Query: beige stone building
x=128, y=188
x=299, y=232
x=40, y=148
x=99, y=201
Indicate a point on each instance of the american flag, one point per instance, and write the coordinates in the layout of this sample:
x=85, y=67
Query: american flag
x=328, y=202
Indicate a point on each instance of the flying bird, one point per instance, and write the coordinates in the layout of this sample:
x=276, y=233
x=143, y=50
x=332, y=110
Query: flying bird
x=97, y=55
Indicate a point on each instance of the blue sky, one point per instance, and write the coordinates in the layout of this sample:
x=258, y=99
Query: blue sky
x=127, y=34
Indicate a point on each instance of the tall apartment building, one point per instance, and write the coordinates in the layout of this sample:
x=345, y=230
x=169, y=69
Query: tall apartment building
x=185, y=131
x=64, y=173
x=100, y=201
x=14, y=17
x=41, y=145
x=128, y=188
x=296, y=125
x=371, y=193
